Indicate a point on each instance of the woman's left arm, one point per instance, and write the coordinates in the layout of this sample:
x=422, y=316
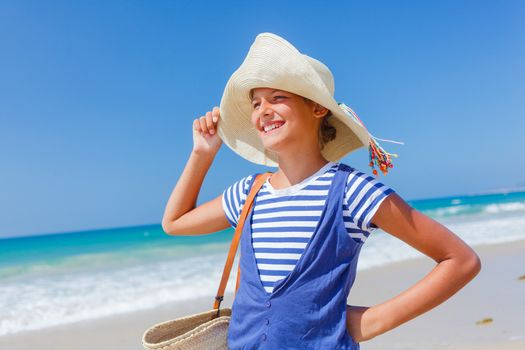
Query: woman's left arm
x=457, y=265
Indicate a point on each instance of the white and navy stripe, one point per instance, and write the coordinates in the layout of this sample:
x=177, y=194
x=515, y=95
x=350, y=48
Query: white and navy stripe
x=233, y=199
x=284, y=219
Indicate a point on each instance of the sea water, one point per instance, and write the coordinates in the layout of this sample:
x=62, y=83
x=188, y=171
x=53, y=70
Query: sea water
x=55, y=279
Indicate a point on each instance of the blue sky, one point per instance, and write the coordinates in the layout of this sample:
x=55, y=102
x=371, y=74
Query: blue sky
x=98, y=97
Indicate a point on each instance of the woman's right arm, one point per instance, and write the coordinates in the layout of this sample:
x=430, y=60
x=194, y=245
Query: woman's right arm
x=181, y=216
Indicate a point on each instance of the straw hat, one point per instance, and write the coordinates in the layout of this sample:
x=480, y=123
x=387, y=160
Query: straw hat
x=272, y=62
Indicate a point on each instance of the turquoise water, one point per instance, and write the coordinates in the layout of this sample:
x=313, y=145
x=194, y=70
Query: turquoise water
x=446, y=207
x=53, y=279
x=55, y=246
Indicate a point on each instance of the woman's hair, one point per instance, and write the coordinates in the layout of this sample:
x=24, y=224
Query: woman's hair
x=326, y=131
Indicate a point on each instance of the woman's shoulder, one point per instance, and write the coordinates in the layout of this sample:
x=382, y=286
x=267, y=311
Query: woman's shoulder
x=345, y=166
x=351, y=170
x=243, y=185
x=359, y=180
x=356, y=171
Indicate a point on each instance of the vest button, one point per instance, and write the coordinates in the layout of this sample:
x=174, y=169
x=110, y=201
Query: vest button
x=267, y=322
x=263, y=337
x=268, y=304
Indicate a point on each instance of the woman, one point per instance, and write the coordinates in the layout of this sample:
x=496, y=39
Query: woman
x=302, y=239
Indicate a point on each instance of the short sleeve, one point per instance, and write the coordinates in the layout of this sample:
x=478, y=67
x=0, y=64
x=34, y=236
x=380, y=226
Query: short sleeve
x=233, y=199
x=363, y=196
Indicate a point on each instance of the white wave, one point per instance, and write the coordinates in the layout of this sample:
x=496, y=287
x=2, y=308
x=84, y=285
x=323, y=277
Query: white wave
x=381, y=248
x=44, y=302
x=474, y=209
x=449, y=211
x=504, y=207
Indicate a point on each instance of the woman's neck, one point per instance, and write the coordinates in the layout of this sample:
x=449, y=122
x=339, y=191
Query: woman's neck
x=294, y=169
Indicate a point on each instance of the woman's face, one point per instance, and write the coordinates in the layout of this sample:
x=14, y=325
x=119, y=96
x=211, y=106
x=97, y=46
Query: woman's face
x=282, y=118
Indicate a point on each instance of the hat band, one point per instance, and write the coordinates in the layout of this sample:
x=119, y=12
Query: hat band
x=376, y=153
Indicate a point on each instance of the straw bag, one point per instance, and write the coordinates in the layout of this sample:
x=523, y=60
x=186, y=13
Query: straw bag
x=206, y=330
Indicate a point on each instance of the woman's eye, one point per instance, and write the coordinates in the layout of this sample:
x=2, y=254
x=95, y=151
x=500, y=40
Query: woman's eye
x=278, y=97
x=255, y=105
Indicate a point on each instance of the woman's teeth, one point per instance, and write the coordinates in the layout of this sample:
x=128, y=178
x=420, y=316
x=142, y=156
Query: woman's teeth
x=271, y=127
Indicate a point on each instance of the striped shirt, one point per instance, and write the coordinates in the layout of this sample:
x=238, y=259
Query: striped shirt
x=284, y=219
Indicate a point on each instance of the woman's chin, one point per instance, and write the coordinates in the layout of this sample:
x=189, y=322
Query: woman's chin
x=275, y=142
x=272, y=146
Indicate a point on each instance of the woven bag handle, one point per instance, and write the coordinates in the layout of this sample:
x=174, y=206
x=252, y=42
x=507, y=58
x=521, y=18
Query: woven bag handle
x=257, y=184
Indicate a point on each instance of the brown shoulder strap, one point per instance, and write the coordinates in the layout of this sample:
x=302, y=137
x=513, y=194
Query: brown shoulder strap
x=257, y=184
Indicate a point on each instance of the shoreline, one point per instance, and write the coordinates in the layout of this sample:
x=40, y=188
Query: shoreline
x=496, y=292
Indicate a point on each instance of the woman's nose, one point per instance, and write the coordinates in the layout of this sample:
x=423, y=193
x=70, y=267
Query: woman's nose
x=265, y=107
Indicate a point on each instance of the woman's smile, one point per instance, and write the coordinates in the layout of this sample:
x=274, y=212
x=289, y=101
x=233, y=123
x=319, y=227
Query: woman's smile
x=272, y=127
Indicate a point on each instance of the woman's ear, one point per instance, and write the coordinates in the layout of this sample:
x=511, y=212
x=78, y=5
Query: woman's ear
x=320, y=111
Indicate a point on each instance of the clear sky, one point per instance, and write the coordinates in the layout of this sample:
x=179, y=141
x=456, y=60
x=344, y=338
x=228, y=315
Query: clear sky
x=97, y=98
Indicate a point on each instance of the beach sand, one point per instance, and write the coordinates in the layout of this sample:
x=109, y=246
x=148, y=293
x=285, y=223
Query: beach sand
x=496, y=293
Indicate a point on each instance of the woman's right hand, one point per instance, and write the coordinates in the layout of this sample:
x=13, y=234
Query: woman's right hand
x=205, y=137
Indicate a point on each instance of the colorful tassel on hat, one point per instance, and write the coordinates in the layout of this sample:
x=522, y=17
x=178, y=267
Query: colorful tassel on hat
x=376, y=153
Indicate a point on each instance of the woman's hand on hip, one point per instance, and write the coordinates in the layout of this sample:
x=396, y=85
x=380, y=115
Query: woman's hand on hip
x=205, y=137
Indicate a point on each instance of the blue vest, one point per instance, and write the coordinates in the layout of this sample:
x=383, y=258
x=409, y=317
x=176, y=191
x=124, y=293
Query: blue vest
x=307, y=309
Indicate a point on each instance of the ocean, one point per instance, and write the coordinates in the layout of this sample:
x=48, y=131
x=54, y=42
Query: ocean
x=53, y=279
